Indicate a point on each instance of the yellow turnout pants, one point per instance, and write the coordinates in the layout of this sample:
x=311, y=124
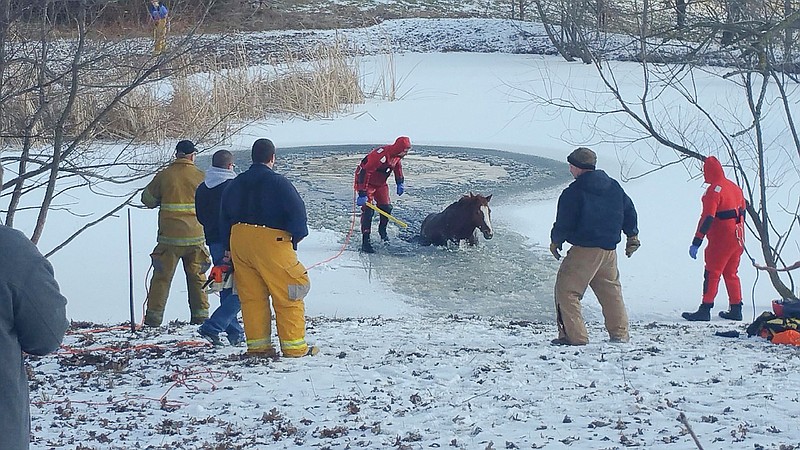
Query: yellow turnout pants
x=596, y=268
x=266, y=266
x=165, y=258
x=159, y=37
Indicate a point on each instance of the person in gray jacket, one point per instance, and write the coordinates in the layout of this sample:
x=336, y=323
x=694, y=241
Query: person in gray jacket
x=33, y=320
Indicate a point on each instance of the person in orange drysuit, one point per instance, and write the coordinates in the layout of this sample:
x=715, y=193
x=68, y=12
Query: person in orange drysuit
x=722, y=220
x=370, y=182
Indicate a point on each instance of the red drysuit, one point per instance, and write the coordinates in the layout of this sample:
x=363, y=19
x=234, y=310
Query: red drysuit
x=722, y=221
x=371, y=176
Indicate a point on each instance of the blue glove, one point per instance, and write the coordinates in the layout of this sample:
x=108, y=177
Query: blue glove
x=362, y=198
x=401, y=187
x=693, y=251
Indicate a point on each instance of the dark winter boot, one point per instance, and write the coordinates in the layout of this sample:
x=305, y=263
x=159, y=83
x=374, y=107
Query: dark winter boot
x=384, y=221
x=703, y=313
x=366, y=245
x=382, y=233
x=735, y=313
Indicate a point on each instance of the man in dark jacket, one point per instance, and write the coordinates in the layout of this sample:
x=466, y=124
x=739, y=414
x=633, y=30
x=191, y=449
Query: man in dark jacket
x=32, y=320
x=207, y=201
x=592, y=211
x=262, y=220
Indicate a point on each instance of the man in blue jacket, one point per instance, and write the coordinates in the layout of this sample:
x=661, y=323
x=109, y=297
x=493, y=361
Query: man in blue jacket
x=263, y=218
x=32, y=320
x=592, y=212
x=207, y=202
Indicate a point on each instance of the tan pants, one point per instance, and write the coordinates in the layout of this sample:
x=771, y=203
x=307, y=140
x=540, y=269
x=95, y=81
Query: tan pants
x=165, y=259
x=266, y=265
x=159, y=37
x=581, y=268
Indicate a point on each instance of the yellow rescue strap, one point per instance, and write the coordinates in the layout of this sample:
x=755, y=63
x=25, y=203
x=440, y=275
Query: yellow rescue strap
x=387, y=215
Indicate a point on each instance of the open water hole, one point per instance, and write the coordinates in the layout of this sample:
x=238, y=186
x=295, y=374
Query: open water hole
x=501, y=277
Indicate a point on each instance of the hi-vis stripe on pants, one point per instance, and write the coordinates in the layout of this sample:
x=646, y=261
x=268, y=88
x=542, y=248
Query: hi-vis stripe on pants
x=266, y=266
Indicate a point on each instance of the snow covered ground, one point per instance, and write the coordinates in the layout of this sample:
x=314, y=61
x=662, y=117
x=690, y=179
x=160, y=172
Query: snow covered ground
x=394, y=375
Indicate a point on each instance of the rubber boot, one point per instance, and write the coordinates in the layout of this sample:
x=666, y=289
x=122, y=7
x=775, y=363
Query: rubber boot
x=366, y=245
x=382, y=232
x=383, y=222
x=703, y=313
x=735, y=313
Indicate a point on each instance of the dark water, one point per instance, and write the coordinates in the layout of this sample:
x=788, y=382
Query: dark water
x=499, y=277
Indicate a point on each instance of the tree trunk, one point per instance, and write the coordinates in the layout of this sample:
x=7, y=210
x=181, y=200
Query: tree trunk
x=680, y=8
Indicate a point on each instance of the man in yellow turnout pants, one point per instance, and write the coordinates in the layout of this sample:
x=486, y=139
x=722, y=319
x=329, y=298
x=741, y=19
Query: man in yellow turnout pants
x=263, y=218
x=160, y=17
x=180, y=236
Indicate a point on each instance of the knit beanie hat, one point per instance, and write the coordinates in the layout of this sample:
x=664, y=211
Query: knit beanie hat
x=583, y=158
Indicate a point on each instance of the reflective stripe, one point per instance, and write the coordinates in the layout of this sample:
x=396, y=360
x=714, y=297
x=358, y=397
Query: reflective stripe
x=299, y=343
x=259, y=344
x=182, y=242
x=189, y=207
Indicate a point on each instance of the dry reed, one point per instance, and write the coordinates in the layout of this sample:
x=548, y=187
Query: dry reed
x=319, y=83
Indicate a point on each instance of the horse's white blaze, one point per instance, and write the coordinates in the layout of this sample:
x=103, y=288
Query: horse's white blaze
x=486, y=219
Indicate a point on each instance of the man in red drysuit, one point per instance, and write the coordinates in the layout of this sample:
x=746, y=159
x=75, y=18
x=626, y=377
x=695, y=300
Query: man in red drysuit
x=370, y=183
x=722, y=220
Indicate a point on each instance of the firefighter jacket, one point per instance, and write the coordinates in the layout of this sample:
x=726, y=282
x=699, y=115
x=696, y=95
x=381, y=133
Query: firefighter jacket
x=259, y=196
x=33, y=320
x=172, y=191
x=592, y=211
x=376, y=167
x=724, y=207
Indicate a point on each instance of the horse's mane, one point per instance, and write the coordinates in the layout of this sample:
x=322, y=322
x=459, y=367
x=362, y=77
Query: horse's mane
x=473, y=198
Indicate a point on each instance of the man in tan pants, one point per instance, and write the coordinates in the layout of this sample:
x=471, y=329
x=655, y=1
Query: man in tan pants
x=592, y=212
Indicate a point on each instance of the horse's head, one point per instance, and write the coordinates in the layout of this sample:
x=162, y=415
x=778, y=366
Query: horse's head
x=480, y=214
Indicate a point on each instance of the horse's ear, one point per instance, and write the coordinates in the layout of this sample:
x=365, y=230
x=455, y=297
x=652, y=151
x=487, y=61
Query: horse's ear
x=489, y=197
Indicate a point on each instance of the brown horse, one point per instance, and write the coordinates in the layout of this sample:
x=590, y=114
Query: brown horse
x=459, y=221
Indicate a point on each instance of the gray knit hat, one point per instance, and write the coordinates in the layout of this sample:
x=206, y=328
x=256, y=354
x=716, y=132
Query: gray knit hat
x=583, y=158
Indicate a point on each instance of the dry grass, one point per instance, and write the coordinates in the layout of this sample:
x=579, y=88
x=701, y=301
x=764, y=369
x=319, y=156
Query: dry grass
x=320, y=83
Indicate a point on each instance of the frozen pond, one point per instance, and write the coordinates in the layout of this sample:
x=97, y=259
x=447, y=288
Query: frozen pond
x=499, y=277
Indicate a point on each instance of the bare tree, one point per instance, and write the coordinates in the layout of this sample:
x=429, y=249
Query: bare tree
x=64, y=90
x=758, y=130
x=568, y=24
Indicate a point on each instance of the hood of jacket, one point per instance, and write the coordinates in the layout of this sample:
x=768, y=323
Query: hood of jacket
x=712, y=170
x=399, y=145
x=217, y=175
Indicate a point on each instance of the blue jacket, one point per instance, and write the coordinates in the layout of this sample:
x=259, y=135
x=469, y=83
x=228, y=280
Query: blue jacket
x=33, y=320
x=259, y=196
x=158, y=13
x=592, y=211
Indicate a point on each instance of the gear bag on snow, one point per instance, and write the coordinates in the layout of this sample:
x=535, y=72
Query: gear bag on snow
x=768, y=325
